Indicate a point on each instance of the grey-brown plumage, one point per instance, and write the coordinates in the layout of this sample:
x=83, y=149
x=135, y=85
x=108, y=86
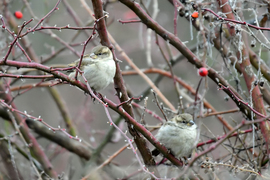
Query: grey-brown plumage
x=98, y=67
x=179, y=135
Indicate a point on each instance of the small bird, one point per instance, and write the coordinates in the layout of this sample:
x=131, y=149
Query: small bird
x=179, y=135
x=98, y=68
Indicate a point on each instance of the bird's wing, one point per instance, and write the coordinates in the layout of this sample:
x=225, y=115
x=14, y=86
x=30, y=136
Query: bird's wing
x=86, y=61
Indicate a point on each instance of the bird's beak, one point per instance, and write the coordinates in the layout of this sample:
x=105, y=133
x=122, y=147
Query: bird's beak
x=93, y=56
x=191, y=123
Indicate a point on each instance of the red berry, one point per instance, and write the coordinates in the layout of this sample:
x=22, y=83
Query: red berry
x=195, y=14
x=203, y=71
x=18, y=14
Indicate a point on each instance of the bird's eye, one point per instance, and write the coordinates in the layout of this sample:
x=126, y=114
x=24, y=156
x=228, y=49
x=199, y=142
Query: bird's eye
x=99, y=54
x=184, y=122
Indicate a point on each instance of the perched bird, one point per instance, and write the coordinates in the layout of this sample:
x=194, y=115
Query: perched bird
x=98, y=68
x=179, y=135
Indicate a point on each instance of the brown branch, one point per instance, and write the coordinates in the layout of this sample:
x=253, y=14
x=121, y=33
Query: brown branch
x=119, y=85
